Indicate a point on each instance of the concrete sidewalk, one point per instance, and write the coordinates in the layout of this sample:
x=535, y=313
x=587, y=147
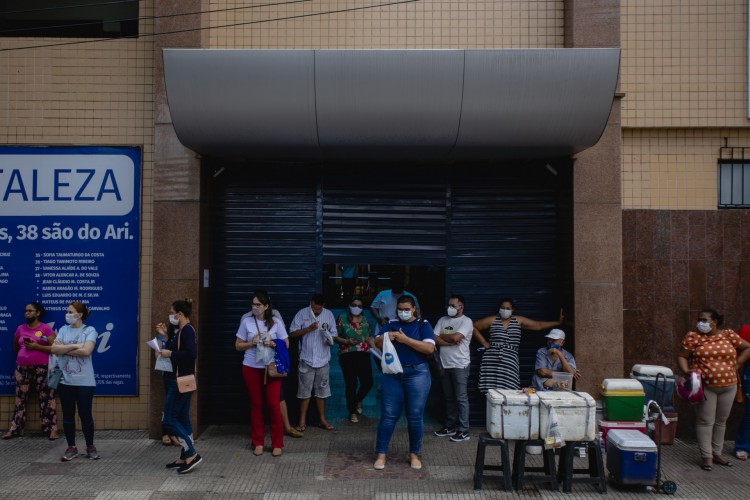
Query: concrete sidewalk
x=323, y=465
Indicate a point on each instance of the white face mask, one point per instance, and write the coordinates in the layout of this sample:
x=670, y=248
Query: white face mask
x=404, y=315
x=703, y=327
x=173, y=319
x=356, y=311
x=505, y=313
x=70, y=318
x=452, y=311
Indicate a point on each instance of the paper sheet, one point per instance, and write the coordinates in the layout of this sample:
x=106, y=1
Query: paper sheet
x=154, y=344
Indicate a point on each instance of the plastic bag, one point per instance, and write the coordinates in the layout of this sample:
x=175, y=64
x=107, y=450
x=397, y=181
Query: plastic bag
x=691, y=388
x=263, y=353
x=390, y=362
x=554, y=437
x=54, y=377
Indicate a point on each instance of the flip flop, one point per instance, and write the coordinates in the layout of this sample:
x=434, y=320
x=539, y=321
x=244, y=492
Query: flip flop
x=741, y=455
x=707, y=467
x=301, y=428
x=725, y=463
x=326, y=427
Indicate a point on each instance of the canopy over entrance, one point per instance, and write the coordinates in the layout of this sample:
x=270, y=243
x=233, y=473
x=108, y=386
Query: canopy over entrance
x=390, y=105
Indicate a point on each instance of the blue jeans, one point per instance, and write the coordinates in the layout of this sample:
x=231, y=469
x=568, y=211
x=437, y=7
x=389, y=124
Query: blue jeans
x=177, y=417
x=405, y=391
x=742, y=440
x=456, y=392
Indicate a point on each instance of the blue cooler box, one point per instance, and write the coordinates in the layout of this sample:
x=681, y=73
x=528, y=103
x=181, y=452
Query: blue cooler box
x=659, y=388
x=631, y=457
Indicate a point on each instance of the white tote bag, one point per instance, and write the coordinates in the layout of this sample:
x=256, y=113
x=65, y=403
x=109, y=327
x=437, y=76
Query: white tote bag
x=390, y=362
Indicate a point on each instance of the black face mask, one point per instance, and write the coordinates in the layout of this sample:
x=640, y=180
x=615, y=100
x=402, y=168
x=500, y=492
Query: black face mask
x=30, y=321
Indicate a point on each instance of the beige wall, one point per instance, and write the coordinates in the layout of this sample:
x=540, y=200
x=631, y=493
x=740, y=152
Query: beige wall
x=90, y=94
x=684, y=76
x=427, y=24
x=674, y=169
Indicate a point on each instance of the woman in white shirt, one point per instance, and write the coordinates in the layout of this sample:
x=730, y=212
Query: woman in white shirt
x=256, y=332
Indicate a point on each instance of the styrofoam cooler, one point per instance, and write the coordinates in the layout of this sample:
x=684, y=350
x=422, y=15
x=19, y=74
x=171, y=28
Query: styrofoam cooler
x=512, y=414
x=631, y=457
x=605, y=426
x=623, y=399
x=575, y=411
x=659, y=389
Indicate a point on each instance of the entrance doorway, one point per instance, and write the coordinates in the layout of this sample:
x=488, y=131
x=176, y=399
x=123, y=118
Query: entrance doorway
x=482, y=231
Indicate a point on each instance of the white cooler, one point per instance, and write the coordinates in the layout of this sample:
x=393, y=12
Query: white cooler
x=576, y=414
x=512, y=414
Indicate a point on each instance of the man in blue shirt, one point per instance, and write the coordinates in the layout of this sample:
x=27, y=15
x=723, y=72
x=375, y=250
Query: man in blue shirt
x=552, y=358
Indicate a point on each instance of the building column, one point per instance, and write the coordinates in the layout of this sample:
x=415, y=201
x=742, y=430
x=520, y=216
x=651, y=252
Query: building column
x=176, y=197
x=597, y=214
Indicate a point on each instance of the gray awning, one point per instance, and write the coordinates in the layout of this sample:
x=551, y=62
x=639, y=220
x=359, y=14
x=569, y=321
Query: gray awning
x=390, y=104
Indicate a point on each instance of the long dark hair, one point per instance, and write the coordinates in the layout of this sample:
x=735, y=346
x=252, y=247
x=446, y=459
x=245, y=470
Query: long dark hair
x=264, y=299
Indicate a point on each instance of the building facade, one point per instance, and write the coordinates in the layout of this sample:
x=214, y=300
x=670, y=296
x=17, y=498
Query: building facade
x=486, y=195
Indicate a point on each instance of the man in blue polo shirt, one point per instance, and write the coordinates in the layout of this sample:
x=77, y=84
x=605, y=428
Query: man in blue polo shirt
x=552, y=358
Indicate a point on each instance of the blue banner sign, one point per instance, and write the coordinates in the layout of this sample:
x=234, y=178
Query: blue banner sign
x=70, y=231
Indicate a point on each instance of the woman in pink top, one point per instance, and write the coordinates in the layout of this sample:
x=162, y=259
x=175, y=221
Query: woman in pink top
x=32, y=342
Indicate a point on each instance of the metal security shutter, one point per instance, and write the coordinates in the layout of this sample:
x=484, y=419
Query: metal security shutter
x=262, y=228
x=507, y=239
x=498, y=230
x=401, y=221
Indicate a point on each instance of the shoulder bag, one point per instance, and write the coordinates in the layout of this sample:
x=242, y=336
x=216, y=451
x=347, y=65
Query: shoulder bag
x=433, y=359
x=186, y=383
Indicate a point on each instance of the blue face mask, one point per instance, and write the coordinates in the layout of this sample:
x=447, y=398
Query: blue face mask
x=553, y=346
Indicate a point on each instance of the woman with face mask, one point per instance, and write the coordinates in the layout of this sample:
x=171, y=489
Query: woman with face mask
x=413, y=340
x=501, y=368
x=354, y=340
x=182, y=350
x=32, y=343
x=256, y=334
x=73, y=346
x=164, y=334
x=713, y=353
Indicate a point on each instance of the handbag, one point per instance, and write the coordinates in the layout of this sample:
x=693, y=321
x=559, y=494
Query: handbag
x=53, y=377
x=433, y=359
x=436, y=365
x=186, y=383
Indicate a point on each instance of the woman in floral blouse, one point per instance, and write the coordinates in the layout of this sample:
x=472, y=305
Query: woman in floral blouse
x=712, y=352
x=354, y=340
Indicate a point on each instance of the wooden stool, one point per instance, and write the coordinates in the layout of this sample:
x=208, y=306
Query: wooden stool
x=520, y=469
x=595, y=470
x=479, y=466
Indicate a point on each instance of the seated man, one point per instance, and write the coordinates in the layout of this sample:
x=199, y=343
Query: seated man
x=553, y=358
